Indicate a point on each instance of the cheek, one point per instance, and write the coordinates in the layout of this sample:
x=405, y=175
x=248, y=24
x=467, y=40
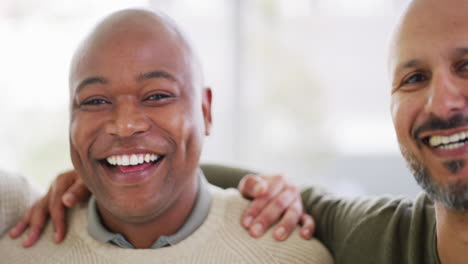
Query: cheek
x=182, y=121
x=83, y=131
x=187, y=131
x=407, y=112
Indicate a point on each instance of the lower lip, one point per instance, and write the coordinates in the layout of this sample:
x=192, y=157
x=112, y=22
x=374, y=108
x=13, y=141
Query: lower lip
x=129, y=169
x=131, y=175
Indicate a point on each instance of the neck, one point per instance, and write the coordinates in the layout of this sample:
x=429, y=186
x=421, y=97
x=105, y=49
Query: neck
x=452, y=235
x=143, y=235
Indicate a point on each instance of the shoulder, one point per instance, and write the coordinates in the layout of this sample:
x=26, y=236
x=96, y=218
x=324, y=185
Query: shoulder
x=325, y=206
x=384, y=209
x=13, y=186
x=367, y=229
x=46, y=250
x=16, y=195
x=293, y=250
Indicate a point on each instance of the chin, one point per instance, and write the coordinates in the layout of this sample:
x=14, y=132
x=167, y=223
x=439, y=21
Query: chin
x=452, y=193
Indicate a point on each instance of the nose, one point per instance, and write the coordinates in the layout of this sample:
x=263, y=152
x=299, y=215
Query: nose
x=128, y=120
x=447, y=95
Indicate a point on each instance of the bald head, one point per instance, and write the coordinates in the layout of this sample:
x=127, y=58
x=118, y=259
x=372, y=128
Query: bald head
x=427, y=22
x=126, y=31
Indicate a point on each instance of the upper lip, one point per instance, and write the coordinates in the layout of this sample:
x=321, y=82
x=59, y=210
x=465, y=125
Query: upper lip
x=128, y=151
x=446, y=132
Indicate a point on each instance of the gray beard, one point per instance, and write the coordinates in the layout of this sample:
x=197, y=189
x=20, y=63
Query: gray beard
x=453, y=196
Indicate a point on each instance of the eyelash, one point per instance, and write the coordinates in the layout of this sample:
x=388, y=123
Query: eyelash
x=95, y=101
x=153, y=99
x=159, y=96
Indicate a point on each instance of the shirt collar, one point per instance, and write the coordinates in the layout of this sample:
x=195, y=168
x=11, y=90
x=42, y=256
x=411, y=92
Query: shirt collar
x=198, y=215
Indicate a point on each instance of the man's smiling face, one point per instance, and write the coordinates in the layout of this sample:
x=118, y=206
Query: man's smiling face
x=138, y=117
x=429, y=67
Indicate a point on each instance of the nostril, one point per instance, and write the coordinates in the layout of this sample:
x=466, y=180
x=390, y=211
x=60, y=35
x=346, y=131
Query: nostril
x=131, y=128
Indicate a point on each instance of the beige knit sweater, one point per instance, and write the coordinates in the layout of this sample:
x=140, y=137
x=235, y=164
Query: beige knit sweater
x=220, y=239
x=16, y=196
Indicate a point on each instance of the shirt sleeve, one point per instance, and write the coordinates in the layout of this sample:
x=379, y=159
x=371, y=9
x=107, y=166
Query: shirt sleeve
x=337, y=217
x=224, y=176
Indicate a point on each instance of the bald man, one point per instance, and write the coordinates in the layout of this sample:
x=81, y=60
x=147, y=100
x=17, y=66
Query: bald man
x=429, y=106
x=139, y=114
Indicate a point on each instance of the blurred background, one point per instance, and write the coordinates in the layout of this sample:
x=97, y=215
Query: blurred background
x=300, y=86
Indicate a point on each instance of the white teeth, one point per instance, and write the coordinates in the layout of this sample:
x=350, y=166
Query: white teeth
x=125, y=160
x=435, y=140
x=448, y=142
x=133, y=159
x=454, y=138
x=445, y=140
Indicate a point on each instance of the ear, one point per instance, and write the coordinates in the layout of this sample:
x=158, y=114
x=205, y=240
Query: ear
x=206, y=108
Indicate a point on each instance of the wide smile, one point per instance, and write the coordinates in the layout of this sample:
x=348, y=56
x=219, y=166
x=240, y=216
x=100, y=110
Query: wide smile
x=449, y=145
x=131, y=168
x=452, y=141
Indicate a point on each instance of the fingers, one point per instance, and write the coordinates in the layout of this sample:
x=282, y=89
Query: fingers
x=68, y=189
x=57, y=214
x=252, y=186
x=35, y=219
x=273, y=211
x=77, y=193
x=279, y=200
x=308, y=226
x=288, y=222
x=61, y=185
x=55, y=206
x=257, y=205
x=38, y=220
x=21, y=226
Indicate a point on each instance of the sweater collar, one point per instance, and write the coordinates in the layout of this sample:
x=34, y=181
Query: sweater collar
x=198, y=215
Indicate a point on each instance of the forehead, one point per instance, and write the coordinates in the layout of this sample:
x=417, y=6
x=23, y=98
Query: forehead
x=130, y=51
x=431, y=29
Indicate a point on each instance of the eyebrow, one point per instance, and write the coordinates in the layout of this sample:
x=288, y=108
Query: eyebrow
x=409, y=64
x=156, y=74
x=415, y=63
x=141, y=77
x=91, y=80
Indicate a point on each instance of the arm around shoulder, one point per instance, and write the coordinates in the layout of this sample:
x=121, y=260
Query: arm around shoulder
x=224, y=176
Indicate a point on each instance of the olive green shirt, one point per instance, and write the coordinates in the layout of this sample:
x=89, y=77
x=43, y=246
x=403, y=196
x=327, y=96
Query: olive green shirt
x=380, y=230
